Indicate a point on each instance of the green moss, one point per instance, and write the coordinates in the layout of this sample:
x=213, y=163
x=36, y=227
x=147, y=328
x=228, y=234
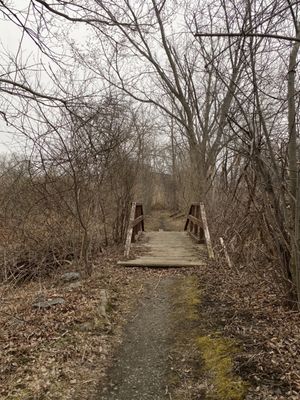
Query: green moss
x=217, y=355
x=215, y=351
x=185, y=296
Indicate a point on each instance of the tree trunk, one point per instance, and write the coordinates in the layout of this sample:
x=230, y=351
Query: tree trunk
x=294, y=184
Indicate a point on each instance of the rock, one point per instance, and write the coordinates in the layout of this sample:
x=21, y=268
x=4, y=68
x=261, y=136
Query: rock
x=48, y=303
x=86, y=326
x=74, y=285
x=21, y=385
x=70, y=276
x=102, y=307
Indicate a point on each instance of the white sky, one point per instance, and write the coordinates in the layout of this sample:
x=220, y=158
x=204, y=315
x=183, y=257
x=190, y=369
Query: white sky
x=10, y=36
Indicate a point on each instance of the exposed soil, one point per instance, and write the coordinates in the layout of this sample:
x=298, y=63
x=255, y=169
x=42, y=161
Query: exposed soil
x=141, y=365
x=158, y=358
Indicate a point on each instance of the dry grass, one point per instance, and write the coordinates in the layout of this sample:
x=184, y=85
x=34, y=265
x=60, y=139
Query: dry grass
x=164, y=219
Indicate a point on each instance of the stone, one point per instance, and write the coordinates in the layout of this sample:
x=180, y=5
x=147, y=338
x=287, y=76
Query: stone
x=102, y=307
x=74, y=285
x=86, y=326
x=70, y=276
x=48, y=303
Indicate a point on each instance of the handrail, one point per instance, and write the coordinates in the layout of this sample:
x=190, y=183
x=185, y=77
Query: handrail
x=196, y=225
x=135, y=225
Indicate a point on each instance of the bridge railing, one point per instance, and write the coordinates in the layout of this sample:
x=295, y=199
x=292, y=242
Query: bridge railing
x=135, y=225
x=196, y=225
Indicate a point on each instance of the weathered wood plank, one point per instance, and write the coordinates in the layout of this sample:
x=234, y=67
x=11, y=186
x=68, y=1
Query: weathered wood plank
x=161, y=263
x=187, y=219
x=206, y=232
x=137, y=220
x=169, y=249
x=130, y=230
x=195, y=220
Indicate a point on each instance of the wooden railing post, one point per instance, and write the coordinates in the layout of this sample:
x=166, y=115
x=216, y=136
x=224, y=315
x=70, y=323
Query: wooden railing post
x=135, y=225
x=206, y=232
x=196, y=225
x=192, y=223
x=197, y=215
x=130, y=229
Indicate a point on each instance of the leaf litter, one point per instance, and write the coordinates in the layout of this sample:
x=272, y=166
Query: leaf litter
x=65, y=351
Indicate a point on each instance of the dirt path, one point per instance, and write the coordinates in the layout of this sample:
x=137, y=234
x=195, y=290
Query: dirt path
x=142, y=364
x=169, y=351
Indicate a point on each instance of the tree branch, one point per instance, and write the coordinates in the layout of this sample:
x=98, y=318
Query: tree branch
x=245, y=34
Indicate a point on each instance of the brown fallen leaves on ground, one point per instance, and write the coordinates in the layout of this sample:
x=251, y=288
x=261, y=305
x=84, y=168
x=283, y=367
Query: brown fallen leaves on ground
x=62, y=352
x=249, y=308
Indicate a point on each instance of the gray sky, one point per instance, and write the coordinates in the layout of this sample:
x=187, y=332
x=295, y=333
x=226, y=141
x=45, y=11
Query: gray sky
x=10, y=36
x=19, y=47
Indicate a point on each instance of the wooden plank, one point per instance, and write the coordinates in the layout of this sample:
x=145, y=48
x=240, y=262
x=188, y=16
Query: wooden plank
x=163, y=263
x=206, y=232
x=130, y=230
x=137, y=220
x=168, y=249
x=187, y=219
x=195, y=220
x=162, y=253
x=143, y=220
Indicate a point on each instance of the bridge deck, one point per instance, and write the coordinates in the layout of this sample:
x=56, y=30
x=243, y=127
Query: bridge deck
x=169, y=249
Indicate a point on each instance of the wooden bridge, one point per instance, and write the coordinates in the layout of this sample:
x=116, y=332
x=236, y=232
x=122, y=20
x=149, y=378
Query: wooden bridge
x=170, y=248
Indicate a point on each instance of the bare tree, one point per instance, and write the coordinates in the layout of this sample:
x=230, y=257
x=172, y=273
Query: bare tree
x=257, y=125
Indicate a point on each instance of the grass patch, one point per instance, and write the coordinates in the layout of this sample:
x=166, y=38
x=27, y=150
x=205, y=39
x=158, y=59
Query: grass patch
x=217, y=355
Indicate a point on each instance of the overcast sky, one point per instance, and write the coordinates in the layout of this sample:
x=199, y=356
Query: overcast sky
x=10, y=36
